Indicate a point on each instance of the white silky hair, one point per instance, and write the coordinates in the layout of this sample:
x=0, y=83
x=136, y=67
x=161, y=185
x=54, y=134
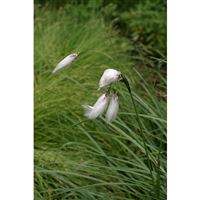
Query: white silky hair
x=66, y=61
x=113, y=108
x=87, y=110
x=109, y=76
x=92, y=112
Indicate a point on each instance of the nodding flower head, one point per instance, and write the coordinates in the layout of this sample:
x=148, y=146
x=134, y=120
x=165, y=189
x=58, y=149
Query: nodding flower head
x=66, y=61
x=113, y=108
x=92, y=112
x=109, y=76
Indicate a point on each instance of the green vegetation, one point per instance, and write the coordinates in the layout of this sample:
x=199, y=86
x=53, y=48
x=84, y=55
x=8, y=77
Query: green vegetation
x=80, y=159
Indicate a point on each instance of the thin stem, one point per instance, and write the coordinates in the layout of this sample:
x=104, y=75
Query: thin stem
x=158, y=177
x=80, y=122
x=125, y=81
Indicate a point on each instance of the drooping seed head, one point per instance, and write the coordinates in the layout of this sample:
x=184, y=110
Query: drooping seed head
x=109, y=76
x=113, y=108
x=99, y=107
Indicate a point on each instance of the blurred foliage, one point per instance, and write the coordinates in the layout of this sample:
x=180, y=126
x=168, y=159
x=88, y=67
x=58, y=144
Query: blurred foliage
x=143, y=22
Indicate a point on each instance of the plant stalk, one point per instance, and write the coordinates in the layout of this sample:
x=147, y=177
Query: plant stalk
x=125, y=81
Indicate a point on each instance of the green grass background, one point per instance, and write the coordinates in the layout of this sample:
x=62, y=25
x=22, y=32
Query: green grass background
x=80, y=159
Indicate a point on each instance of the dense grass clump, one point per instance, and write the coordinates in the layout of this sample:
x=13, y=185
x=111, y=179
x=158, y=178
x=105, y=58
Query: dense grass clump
x=80, y=159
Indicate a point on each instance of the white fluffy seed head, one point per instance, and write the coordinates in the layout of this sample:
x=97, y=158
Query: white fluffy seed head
x=66, y=61
x=113, y=108
x=92, y=112
x=109, y=76
x=87, y=110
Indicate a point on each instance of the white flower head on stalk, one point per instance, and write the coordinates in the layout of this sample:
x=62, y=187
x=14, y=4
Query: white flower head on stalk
x=92, y=112
x=109, y=76
x=66, y=61
x=113, y=108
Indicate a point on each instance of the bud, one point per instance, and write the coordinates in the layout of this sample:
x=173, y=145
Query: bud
x=66, y=61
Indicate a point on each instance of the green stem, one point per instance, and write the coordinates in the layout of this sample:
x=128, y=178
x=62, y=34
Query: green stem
x=80, y=122
x=125, y=80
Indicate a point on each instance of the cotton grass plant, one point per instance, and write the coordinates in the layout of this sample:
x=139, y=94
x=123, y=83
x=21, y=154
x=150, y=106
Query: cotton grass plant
x=109, y=77
x=79, y=158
